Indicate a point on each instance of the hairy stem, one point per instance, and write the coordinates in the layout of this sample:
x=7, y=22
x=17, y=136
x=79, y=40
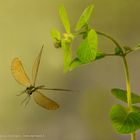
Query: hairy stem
x=128, y=87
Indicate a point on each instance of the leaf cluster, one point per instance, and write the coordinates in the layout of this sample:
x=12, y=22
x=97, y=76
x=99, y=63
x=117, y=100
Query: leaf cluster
x=123, y=120
x=87, y=50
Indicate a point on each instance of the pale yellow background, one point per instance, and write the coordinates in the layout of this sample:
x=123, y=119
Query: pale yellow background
x=24, y=26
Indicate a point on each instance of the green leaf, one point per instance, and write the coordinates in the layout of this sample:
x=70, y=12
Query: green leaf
x=55, y=34
x=84, y=17
x=123, y=121
x=100, y=55
x=136, y=108
x=75, y=63
x=67, y=55
x=87, y=50
x=122, y=95
x=64, y=18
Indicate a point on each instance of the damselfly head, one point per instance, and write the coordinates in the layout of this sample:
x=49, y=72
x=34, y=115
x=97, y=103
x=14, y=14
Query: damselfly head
x=30, y=90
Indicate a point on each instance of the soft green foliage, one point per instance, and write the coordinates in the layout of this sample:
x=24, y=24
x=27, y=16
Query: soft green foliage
x=64, y=18
x=55, y=34
x=123, y=121
x=67, y=54
x=75, y=63
x=136, y=108
x=84, y=17
x=100, y=55
x=122, y=95
x=86, y=52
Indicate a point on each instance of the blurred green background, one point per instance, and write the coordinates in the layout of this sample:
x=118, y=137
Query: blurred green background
x=24, y=26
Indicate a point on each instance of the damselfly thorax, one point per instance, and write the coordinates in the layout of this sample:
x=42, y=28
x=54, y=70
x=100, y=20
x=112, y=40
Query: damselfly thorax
x=29, y=90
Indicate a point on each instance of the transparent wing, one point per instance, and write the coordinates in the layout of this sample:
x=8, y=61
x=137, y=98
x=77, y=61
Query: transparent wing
x=36, y=67
x=44, y=101
x=18, y=72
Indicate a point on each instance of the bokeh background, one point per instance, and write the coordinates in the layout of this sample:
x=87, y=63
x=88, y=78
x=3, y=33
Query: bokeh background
x=24, y=26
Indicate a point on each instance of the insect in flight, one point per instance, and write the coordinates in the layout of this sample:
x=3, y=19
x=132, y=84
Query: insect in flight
x=21, y=77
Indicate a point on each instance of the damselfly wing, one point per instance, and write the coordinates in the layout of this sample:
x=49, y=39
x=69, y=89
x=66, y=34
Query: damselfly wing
x=21, y=77
x=36, y=67
x=19, y=73
x=44, y=101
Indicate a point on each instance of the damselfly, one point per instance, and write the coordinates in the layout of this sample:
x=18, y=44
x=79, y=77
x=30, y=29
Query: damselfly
x=21, y=77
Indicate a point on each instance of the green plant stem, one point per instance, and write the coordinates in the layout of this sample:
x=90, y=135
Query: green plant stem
x=110, y=38
x=133, y=50
x=133, y=136
x=109, y=54
x=128, y=87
